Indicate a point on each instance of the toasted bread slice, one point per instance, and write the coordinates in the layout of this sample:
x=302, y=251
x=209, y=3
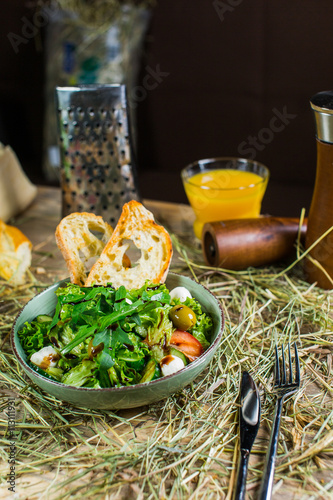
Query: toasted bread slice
x=137, y=225
x=15, y=254
x=77, y=242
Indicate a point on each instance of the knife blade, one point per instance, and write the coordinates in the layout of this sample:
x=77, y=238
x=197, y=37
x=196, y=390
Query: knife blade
x=249, y=422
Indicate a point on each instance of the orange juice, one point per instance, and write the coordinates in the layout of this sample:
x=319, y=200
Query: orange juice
x=224, y=194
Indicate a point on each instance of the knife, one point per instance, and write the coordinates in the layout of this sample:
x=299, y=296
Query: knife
x=249, y=421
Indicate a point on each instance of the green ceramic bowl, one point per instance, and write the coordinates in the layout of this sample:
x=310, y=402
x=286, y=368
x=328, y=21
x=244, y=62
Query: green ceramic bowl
x=121, y=397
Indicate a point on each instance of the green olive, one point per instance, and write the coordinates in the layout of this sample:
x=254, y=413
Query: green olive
x=182, y=317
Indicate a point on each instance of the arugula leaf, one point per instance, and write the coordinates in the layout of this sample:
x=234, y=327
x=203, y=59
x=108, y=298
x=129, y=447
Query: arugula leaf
x=104, y=360
x=126, y=310
x=162, y=297
x=56, y=315
x=120, y=293
x=120, y=337
x=84, y=332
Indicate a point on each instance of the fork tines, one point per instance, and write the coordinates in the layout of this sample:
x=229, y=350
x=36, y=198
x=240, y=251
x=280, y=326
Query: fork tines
x=281, y=379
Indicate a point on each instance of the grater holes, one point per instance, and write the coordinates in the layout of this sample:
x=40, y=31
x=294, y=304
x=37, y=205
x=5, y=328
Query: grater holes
x=103, y=113
x=80, y=113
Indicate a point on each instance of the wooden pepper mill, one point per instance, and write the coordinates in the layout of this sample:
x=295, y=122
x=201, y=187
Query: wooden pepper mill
x=238, y=244
x=320, y=217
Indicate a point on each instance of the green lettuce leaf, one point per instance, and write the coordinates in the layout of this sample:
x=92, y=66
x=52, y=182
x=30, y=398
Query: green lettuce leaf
x=33, y=337
x=202, y=330
x=79, y=375
x=160, y=331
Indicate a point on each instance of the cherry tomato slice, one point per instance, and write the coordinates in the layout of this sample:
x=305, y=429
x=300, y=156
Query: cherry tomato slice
x=187, y=344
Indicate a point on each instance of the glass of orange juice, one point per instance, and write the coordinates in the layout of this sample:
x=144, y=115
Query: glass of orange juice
x=224, y=188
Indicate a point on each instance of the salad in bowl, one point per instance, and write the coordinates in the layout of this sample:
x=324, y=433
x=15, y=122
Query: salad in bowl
x=101, y=337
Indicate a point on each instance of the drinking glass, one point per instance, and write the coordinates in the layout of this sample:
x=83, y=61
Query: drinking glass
x=224, y=188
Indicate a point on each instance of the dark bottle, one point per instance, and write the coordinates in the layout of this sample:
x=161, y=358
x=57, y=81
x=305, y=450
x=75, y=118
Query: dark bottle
x=320, y=217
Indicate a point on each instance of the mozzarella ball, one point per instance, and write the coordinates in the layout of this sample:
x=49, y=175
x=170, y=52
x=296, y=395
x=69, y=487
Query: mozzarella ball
x=45, y=357
x=181, y=293
x=171, y=364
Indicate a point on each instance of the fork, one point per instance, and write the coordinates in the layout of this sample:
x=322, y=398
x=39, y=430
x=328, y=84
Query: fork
x=282, y=388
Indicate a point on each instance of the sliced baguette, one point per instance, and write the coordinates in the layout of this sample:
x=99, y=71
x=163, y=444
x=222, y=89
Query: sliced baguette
x=78, y=244
x=15, y=254
x=137, y=225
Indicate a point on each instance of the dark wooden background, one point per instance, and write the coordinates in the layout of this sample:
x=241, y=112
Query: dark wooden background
x=224, y=70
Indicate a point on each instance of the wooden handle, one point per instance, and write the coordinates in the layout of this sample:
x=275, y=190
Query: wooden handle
x=238, y=244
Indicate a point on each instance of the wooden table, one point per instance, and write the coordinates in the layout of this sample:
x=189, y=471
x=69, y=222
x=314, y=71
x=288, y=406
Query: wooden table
x=39, y=223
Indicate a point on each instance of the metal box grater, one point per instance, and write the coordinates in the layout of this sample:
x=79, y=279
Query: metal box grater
x=97, y=173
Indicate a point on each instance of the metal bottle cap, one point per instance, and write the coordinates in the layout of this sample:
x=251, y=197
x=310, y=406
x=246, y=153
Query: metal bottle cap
x=322, y=105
